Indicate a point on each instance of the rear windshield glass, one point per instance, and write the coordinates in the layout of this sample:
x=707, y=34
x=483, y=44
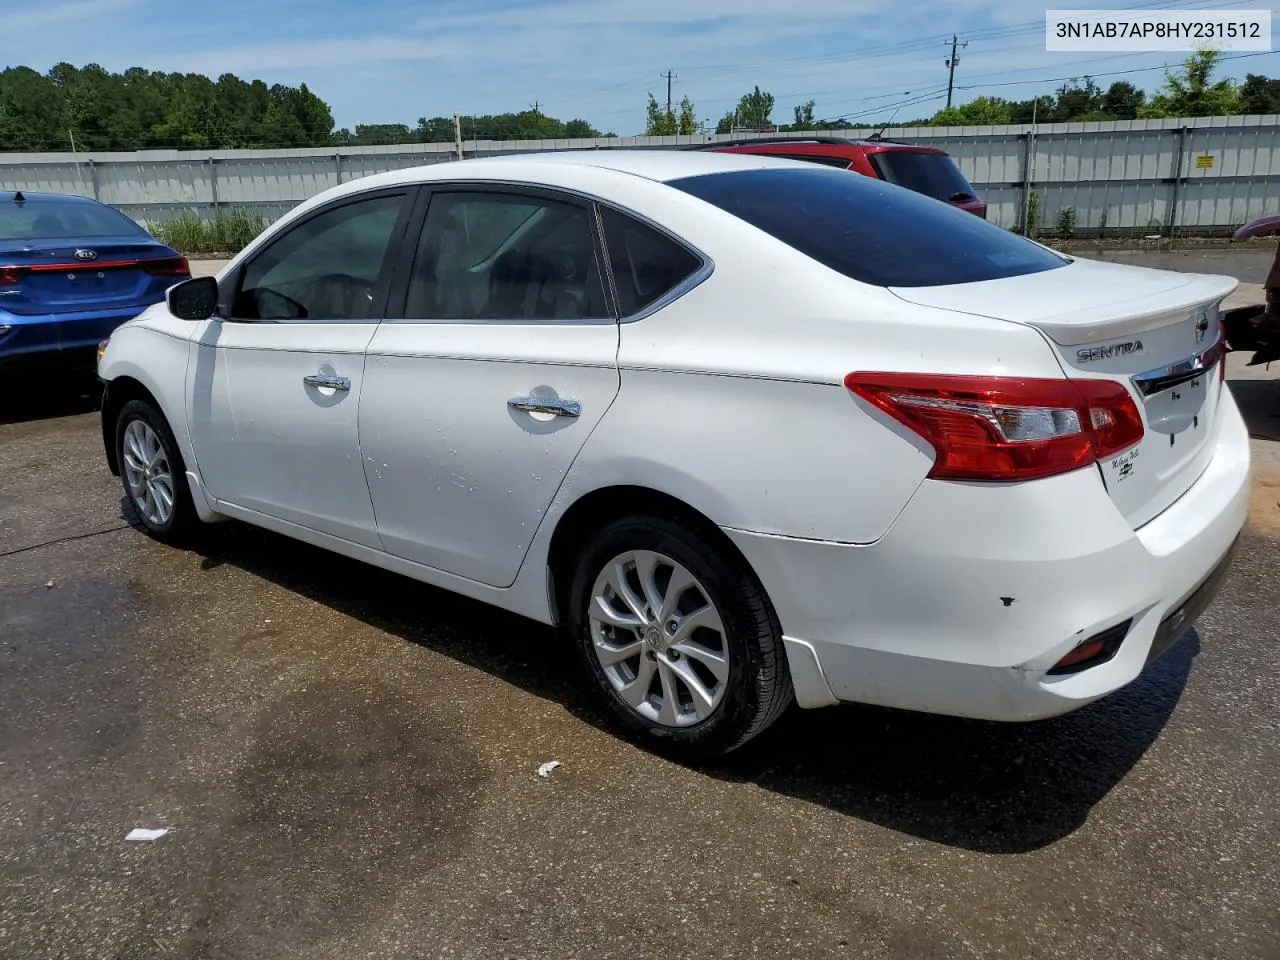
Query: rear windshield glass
x=933, y=174
x=870, y=230
x=39, y=219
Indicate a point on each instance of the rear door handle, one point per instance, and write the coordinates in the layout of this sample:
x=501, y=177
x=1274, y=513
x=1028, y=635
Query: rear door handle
x=324, y=380
x=552, y=405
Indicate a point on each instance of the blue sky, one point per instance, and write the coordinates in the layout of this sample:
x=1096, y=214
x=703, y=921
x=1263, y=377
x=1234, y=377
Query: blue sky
x=381, y=61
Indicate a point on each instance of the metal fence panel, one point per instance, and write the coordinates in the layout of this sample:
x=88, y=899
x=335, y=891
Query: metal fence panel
x=1124, y=176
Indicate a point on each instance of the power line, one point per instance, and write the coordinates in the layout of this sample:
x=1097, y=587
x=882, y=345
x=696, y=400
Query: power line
x=1112, y=73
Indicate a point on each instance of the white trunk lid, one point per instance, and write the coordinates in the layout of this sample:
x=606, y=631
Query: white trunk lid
x=1153, y=330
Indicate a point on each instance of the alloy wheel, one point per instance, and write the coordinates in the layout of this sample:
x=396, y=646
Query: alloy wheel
x=659, y=638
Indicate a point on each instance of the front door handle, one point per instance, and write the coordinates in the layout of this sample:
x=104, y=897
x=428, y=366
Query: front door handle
x=552, y=405
x=325, y=380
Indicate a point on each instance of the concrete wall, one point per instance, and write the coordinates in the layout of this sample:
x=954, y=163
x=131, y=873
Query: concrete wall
x=1133, y=177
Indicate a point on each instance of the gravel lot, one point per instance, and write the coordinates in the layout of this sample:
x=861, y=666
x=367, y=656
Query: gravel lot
x=346, y=760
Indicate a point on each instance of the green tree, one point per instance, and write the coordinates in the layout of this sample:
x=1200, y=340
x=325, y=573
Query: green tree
x=1122, y=101
x=1037, y=110
x=1259, y=94
x=658, y=121
x=661, y=122
x=978, y=112
x=140, y=109
x=1190, y=92
x=804, y=116
x=753, y=110
x=1077, y=102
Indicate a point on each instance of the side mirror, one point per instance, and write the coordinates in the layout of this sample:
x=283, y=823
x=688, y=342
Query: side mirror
x=194, y=299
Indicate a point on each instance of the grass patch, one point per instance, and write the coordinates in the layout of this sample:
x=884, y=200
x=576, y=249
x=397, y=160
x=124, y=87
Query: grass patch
x=227, y=233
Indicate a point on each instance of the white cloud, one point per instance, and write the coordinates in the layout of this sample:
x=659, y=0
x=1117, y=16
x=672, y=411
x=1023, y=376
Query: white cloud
x=316, y=54
x=75, y=12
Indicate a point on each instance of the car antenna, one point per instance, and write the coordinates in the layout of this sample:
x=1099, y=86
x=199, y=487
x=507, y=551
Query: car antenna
x=880, y=133
x=19, y=199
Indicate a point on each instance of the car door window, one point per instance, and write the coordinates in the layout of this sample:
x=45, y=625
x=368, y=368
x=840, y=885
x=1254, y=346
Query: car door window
x=332, y=266
x=491, y=256
x=646, y=264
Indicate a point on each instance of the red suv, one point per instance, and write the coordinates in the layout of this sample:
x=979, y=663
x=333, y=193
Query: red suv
x=925, y=170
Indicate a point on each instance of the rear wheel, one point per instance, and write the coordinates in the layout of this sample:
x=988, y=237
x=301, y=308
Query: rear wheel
x=678, y=638
x=153, y=474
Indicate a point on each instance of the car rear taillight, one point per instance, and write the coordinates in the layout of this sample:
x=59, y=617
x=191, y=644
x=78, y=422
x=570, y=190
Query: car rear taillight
x=1006, y=428
x=167, y=267
x=160, y=267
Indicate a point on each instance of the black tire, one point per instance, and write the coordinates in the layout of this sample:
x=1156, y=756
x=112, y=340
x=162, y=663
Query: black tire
x=758, y=689
x=183, y=521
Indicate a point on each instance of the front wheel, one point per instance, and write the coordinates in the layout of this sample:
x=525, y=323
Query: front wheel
x=153, y=474
x=678, y=637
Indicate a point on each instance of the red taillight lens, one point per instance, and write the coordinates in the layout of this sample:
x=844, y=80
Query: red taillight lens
x=1006, y=428
x=11, y=276
x=168, y=267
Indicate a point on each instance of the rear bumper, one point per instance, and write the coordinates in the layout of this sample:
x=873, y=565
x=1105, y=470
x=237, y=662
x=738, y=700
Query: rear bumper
x=978, y=590
x=55, y=338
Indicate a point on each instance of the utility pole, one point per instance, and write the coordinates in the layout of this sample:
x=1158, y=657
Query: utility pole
x=457, y=133
x=951, y=67
x=670, y=76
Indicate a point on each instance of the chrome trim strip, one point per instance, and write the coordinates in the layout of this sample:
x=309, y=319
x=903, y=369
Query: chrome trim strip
x=1151, y=382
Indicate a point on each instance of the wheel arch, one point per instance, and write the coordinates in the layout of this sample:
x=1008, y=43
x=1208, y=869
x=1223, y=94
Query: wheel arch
x=603, y=505
x=116, y=394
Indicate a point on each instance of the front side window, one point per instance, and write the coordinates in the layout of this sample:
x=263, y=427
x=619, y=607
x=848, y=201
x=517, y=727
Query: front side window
x=493, y=256
x=331, y=266
x=646, y=264
x=870, y=230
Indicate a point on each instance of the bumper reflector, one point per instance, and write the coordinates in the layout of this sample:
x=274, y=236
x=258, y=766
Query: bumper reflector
x=1093, y=652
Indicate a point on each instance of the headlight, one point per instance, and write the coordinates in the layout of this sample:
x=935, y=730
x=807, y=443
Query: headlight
x=102, y=348
x=4, y=329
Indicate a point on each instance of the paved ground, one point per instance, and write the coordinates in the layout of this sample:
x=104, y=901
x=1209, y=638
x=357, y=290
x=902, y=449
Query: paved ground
x=346, y=763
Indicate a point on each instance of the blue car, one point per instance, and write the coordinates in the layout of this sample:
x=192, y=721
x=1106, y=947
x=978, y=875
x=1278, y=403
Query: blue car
x=71, y=271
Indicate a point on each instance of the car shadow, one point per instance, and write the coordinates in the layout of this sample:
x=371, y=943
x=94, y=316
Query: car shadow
x=988, y=787
x=28, y=398
x=1259, y=403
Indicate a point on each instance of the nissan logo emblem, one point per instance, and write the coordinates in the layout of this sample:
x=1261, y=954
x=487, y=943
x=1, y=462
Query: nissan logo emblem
x=86, y=255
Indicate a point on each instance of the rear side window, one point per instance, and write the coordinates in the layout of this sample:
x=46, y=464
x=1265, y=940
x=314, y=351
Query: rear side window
x=41, y=219
x=933, y=174
x=646, y=264
x=869, y=230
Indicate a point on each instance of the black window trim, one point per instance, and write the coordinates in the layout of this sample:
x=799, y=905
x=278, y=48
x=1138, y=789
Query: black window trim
x=398, y=300
x=229, y=287
x=400, y=277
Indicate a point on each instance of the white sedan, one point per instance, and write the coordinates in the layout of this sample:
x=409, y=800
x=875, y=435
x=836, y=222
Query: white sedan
x=749, y=430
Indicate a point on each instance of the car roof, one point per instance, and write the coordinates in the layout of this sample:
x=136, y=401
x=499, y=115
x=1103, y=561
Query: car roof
x=658, y=165
x=7, y=196
x=823, y=146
